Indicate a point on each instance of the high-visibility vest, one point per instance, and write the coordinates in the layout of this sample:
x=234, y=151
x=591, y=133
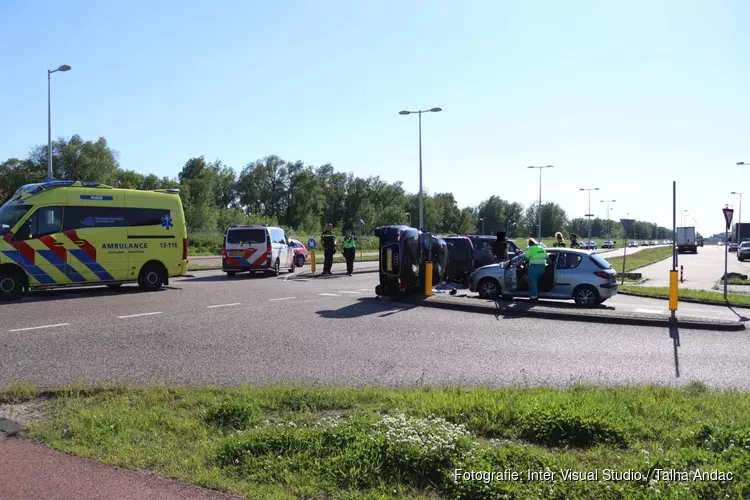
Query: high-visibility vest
x=349, y=242
x=536, y=254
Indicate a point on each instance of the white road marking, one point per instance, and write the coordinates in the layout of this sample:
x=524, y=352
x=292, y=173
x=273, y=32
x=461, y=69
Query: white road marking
x=281, y=298
x=224, y=305
x=38, y=327
x=366, y=289
x=139, y=315
x=329, y=295
x=356, y=293
x=649, y=311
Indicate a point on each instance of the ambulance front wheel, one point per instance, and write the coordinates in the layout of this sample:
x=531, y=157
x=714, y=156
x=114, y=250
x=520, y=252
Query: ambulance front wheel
x=11, y=284
x=151, y=277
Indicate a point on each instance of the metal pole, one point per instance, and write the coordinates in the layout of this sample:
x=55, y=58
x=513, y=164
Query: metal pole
x=482, y=227
x=539, y=232
x=674, y=225
x=726, y=263
x=589, y=215
x=421, y=203
x=49, y=124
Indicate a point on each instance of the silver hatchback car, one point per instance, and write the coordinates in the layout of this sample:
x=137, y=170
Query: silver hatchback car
x=570, y=274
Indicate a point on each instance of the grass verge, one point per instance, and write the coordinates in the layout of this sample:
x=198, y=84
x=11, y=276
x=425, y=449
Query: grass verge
x=641, y=258
x=737, y=281
x=296, y=442
x=662, y=292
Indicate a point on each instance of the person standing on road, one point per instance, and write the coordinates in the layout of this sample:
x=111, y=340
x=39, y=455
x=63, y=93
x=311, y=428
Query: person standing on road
x=350, y=249
x=537, y=258
x=574, y=241
x=559, y=240
x=329, y=248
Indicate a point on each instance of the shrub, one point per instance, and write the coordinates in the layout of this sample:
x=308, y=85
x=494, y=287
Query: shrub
x=560, y=427
x=234, y=415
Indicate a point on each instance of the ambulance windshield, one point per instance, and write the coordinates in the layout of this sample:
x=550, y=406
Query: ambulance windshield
x=10, y=214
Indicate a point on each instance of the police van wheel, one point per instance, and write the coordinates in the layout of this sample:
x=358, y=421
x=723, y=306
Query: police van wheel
x=277, y=268
x=151, y=278
x=11, y=285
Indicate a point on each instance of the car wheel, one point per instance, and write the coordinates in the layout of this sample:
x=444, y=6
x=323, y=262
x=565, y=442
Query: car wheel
x=299, y=260
x=277, y=268
x=488, y=288
x=11, y=284
x=231, y=274
x=586, y=296
x=151, y=277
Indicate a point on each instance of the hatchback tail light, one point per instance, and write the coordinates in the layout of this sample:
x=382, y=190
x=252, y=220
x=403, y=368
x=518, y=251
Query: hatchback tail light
x=184, y=249
x=602, y=275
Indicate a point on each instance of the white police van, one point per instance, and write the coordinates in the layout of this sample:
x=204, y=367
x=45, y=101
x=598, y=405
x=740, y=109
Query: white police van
x=256, y=249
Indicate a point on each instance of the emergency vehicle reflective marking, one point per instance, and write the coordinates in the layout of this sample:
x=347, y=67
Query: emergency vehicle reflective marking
x=38, y=327
x=86, y=247
x=224, y=305
x=282, y=298
x=23, y=247
x=139, y=315
x=60, y=264
x=33, y=270
x=94, y=266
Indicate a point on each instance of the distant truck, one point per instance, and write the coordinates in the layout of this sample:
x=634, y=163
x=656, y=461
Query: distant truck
x=685, y=240
x=741, y=232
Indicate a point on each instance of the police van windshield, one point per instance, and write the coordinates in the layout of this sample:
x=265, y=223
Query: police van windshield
x=11, y=214
x=246, y=237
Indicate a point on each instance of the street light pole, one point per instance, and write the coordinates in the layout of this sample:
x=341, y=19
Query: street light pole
x=589, y=215
x=608, y=224
x=482, y=219
x=739, y=219
x=421, y=195
x=64, y=67
x=539, y=215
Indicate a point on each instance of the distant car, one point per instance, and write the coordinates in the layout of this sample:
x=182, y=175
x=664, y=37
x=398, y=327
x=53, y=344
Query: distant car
x=575, y=274
x=633, y=244
x=588, y=245
x=608, y=244
x=743, y=252
x=300, y=252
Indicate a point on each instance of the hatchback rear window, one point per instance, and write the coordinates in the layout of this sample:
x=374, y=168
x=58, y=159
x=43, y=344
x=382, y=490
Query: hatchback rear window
x=246, y=236
x=600, y=261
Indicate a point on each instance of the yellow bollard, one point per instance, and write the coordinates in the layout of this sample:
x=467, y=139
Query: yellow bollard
x=312, y=261
x=673, y=290
x=428, y=278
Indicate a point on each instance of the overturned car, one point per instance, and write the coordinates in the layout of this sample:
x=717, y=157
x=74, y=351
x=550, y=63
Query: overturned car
x=404, y=251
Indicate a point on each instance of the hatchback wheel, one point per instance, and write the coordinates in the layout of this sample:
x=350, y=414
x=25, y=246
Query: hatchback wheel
x=586, y=296
x=488, y=288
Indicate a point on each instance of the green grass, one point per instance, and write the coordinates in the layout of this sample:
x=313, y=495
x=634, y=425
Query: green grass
x=737, y=281
x=284, y=442
x=641, y=258
x=735, y=299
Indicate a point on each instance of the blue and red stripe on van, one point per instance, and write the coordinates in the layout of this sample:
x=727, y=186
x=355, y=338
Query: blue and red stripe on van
x=244, y=261
x=87, y=255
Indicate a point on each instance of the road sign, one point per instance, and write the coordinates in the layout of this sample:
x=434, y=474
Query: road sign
x=728, y=212
x=362, y=225
x=311, y=244
x=627, y=224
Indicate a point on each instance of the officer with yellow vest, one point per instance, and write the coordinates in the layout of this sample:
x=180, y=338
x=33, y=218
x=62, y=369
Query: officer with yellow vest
x=537, y=258
x=329, y=248
x=350, y=250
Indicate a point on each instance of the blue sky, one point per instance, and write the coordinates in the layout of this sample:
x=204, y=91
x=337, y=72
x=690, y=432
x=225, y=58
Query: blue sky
x=624, y=96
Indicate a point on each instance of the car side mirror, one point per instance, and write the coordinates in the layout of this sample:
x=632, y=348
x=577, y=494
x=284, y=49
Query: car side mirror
x=4, y=228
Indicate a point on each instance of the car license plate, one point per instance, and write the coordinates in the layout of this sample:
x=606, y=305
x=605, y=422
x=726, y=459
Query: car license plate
x=236, y=253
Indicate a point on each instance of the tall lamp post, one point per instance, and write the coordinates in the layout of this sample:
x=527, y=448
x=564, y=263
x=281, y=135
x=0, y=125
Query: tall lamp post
x=64, y=67
x=507, y=229
x=421, y=203
x=539, y=231
x=589, y=215
x=482, y=220
x=608, y=225
x=739, y=219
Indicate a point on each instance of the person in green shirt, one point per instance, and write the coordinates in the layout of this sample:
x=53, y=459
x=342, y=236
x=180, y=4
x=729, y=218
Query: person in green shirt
x=350, y=250
x=537, y=256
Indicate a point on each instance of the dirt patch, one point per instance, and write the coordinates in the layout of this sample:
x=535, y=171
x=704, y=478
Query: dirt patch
x=25, y=413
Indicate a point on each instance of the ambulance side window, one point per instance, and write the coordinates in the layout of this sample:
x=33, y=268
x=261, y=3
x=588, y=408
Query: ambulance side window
x=45, y=221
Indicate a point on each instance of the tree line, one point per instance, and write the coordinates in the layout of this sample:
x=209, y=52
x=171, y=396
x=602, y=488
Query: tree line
x=298, y=196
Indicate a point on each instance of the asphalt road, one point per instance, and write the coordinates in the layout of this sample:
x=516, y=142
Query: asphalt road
x=701, y=271
x=209, y=329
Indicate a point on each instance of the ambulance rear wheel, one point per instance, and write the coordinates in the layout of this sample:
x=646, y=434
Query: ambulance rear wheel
x=151, y=277
x=11, y=284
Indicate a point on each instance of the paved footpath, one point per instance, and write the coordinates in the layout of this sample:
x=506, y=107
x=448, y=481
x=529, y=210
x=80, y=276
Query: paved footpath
x=31, y=472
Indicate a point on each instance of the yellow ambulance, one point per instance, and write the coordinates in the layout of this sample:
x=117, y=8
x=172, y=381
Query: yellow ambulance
x=72, y=233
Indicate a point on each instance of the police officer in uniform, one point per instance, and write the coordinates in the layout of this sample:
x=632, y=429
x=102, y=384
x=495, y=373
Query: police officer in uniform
x=350, y=251
x=329, y=248
x=574, y=241
x=559, y=240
